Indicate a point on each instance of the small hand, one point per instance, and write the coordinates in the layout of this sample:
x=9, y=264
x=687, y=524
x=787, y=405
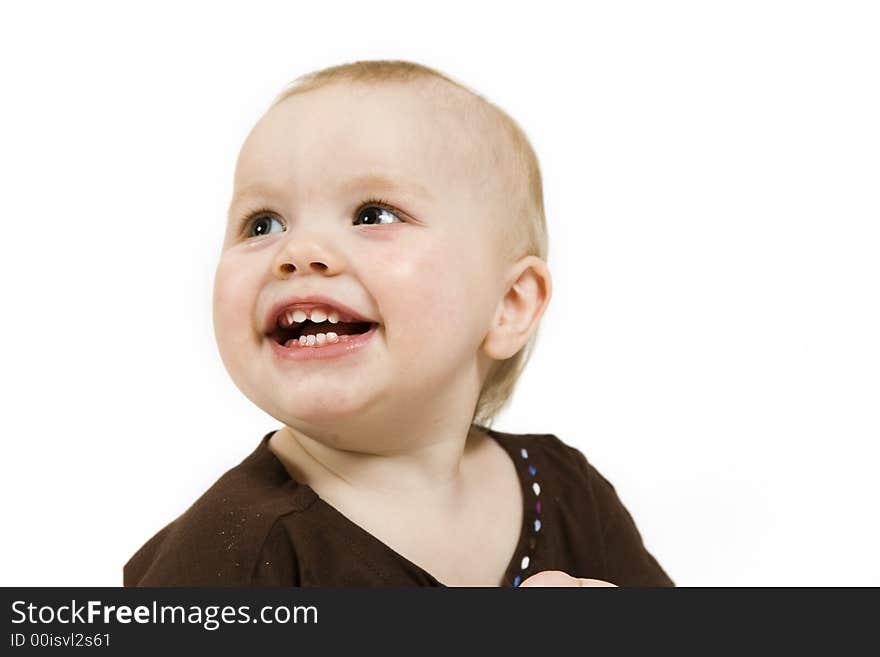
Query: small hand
x=559, y=578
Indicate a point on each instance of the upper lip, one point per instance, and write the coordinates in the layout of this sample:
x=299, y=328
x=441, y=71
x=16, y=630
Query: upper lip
x=317, y=299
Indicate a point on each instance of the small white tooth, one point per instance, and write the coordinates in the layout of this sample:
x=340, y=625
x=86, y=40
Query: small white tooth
x=299, y=316
x=332, y=337
x=310, y=340
x=321, y=338
x=333, y=317
x=318, y=316
x=290, y=317
x=302, y=341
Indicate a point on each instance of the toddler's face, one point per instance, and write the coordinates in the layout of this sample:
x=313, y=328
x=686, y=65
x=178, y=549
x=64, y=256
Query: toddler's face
x=424, y=268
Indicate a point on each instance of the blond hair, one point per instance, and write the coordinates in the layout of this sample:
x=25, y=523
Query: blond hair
x=525, y=235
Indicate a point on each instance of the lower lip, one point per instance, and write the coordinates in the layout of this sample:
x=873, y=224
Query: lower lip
x=348, y=344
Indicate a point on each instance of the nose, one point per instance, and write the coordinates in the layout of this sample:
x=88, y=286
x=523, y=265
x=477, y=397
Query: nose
x=306, y=254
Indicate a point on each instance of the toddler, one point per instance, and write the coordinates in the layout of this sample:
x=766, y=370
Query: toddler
x=380, y=285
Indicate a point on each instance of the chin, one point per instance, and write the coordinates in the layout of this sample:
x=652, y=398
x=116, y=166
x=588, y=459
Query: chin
x=323, y=411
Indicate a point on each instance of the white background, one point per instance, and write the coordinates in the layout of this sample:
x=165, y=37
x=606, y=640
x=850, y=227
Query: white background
x=711, y=182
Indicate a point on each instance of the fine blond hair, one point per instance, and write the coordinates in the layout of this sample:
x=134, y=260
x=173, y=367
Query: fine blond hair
x=525, y=231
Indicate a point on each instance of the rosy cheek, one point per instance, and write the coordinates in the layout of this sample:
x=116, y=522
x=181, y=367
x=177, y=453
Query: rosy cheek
x=230, y=296
x=415, y=290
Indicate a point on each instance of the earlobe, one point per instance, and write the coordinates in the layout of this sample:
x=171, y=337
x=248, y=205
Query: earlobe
x=520, y=309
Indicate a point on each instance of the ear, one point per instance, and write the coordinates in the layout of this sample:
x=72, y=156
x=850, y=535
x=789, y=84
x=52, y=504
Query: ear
x=520, y=309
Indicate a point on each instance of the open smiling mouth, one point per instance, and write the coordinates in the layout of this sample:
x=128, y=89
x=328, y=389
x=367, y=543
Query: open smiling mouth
x=315, y=334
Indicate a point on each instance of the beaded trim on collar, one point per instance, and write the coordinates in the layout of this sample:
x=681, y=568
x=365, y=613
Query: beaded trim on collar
x=528, y=558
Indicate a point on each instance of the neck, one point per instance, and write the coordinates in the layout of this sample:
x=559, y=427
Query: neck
x=433, y=466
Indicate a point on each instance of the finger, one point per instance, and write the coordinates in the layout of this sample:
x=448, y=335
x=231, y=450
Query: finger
x=585, y=582
x=555, y=578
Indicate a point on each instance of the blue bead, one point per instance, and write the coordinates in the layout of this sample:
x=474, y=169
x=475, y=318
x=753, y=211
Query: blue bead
x=532, y=470
x=516, y=580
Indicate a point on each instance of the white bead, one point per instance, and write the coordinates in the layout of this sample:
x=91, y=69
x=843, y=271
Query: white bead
x=536, y=488
x=525, y=562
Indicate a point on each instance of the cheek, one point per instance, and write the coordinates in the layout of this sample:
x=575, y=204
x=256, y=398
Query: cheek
x=425, y=294
x=409, y=287
x=232, y=301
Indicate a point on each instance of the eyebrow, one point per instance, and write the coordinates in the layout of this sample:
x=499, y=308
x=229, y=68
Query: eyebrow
x=376, y=181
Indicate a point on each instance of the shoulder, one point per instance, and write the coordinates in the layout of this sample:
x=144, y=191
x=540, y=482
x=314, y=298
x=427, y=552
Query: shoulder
x=560, y=460
x=600, y=535
x=566, y=471
x=219, y=539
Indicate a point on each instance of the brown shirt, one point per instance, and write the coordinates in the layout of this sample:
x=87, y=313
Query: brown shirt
x=256, y=526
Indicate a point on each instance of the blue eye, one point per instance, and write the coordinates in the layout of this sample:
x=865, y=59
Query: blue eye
x=262, y=222
x=374, y=212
